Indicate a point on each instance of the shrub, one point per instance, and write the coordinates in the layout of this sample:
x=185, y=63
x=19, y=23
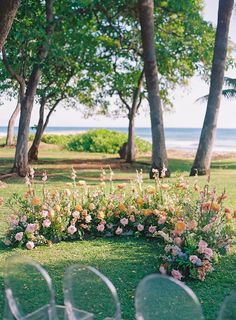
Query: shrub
x=104, y=141
x=192, y=224
x=61, y=140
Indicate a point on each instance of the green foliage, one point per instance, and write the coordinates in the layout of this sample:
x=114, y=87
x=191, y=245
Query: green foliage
x=58, y=139
x=105, y=141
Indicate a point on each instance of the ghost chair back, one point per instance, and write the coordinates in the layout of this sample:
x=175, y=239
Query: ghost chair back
x=88, y=294
x=164, y=298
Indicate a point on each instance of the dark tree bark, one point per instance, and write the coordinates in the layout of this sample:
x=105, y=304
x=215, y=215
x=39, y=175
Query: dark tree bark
x=34, y=149
x=8, y=9
x=11, y=123
x=202, y=161
x=21, y=154
x=159, y=154
x=130, y=155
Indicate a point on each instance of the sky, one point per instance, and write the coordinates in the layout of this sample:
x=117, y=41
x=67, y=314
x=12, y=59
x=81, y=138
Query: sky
x=186, y=112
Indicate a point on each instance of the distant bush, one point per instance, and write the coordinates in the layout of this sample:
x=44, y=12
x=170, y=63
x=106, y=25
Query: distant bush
x=103, y=140
x=100, y=140
x=57, y=139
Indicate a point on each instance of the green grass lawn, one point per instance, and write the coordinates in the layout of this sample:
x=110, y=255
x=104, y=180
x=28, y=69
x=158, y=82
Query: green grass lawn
x=124, y=260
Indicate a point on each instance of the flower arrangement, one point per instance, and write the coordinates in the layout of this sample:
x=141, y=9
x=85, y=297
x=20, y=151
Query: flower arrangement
x=191, y=223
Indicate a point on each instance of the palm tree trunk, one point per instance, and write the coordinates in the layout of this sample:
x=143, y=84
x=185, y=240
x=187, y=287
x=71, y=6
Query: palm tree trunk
x=202, y=162
x=159, y=154
x=8, y=9
x=11, y=123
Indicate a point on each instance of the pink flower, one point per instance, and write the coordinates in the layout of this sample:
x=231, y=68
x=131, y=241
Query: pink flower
x=19, y=236
x=193, y=259
x=71, y=229
x=31, y=227
x=23, y=219
x=202, y=245
x=46, y=223
x=30, y=245
x=192, y=225
x=44, y=213
x=132, y=218
x=100, y=227
x=76, y=214
x=140, y=227
x=207, y=227
x=103, y=222
x=124, y=221
x=213, y=219
x=162, y=269
x=119, y=231
x=208, y=253
x=88, y=218
x=162, y=220
x=178, y=241
x=152, y=229
x=14, y=222
x=176, y=274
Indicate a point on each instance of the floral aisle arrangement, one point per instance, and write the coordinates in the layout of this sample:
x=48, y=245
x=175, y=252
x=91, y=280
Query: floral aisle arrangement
x=192, y=224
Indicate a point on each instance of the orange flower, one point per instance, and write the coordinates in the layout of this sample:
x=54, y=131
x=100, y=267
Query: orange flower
x=165, y=186
x=182, y=185
x=51, y=213
x=180, y=226
x=78, y=207
x=151, y=190
x=228, y=216
x=1, y=201
x=57, y=208
x=235, y=213
x=121, y=185
x=206, y=206
x=140, y=201
x=35, y=201
x=121, y=207
x=227, y=210
x=101, y=215
x=215, y=206
x=156, y=212
x=147, y=212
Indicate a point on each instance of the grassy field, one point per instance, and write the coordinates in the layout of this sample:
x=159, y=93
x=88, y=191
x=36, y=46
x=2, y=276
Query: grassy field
x=124, y=260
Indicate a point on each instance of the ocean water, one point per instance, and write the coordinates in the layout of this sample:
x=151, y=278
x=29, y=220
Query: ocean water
x=176, y=138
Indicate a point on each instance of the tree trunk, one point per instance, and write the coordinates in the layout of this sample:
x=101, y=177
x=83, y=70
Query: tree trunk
x=8, y=9
x=33, y=151
x=11, y=123
x=159, y=154
x=21, y=154
x=130, y=154
x=202, y=162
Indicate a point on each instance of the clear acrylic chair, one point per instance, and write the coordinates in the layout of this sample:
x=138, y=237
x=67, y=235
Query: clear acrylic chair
x=164, y=298
x=87, y=290
x=228, y=308
x=28, y=291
